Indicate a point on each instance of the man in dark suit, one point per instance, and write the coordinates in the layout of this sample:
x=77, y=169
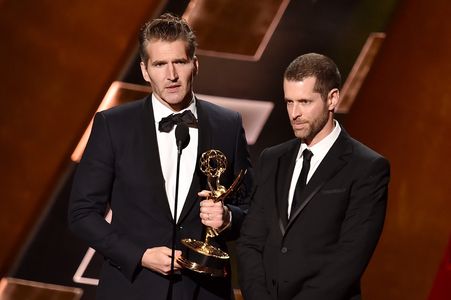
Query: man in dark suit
x=319, y=203
x=129, y=165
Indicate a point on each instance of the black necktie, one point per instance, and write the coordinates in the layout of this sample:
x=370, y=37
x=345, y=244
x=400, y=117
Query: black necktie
x=300, y=185
x=187, y=117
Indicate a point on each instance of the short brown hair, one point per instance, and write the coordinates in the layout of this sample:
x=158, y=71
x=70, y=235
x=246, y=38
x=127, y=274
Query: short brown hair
x=315, y=65
x=167, y=27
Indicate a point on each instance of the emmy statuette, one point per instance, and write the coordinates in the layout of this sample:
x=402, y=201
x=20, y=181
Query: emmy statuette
x=200, y=256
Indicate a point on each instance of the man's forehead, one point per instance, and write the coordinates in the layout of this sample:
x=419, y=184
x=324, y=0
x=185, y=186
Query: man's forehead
x=309, y=81
x=303, y=79
x=162, y=47
x=168, y=43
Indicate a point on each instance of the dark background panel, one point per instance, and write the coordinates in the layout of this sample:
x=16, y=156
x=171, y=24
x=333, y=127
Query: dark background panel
x=54, y=253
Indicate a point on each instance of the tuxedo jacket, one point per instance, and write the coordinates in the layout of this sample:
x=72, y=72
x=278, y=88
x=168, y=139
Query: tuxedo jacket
x=121, y=169
x=321, y=252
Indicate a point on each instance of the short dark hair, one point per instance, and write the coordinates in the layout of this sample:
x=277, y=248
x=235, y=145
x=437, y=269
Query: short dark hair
x=167, y=27
x=315, y=65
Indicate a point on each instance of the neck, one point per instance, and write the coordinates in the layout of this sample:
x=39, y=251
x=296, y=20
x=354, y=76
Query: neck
x=325, y=131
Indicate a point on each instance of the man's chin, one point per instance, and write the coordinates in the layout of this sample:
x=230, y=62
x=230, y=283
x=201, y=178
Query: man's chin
x=173, y=100
x=300, y=134
x=177, y=98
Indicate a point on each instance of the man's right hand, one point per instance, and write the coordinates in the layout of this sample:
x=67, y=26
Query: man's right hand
x=158, y=259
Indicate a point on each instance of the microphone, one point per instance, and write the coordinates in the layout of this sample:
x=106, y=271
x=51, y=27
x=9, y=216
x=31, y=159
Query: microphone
x=182, y=139
x=182, y=136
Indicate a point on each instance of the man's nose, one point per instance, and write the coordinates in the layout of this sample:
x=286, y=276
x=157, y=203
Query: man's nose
x=172, y=72
x=296, y=111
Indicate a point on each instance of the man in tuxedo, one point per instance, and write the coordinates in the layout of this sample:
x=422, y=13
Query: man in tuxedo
x=129, y=165
x=319, y=204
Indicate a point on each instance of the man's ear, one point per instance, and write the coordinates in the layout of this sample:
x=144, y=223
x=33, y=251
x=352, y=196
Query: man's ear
x=144, y=72
x=332, y=99
x=196, y=65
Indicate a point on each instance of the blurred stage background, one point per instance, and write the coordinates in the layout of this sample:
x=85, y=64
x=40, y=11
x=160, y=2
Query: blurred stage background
x=60, y=59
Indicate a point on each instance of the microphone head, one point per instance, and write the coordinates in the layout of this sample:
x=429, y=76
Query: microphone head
x=182, y=136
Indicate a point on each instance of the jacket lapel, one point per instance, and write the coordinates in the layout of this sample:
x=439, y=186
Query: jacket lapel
x=283, y=179
x=333, y=162
x=152, y=157
x=204, y=143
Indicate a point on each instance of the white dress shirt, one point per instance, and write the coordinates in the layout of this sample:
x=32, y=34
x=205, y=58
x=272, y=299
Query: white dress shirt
x=319, y=151
x=167, y=149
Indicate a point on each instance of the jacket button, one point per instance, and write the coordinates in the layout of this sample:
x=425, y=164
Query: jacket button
x=284, y=250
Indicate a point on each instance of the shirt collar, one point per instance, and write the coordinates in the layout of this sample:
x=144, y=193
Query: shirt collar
x=321, y=148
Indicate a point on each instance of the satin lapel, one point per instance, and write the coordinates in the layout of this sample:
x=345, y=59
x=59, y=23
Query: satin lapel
x=204, y=143
x=283, y=180
x=152, y=159
x=333, y=162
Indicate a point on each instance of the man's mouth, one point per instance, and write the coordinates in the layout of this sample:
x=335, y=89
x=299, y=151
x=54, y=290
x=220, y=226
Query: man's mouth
x=298, y=123
x=172, y=88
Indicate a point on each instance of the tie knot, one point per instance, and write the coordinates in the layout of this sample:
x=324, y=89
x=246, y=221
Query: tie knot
x=166, y=124
x=307, y=155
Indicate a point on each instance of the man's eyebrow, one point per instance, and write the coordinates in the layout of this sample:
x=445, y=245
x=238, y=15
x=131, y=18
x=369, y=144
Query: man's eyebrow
x=183, y=59
x=298, y=99
x=157, y=62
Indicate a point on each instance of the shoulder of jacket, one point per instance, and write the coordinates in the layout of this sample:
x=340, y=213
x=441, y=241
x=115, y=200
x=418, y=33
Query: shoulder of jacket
x=364, y=152
x=126, y=108
x=281, y=149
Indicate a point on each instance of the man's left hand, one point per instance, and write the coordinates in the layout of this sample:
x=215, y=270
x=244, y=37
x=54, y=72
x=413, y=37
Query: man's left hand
x=213, y=214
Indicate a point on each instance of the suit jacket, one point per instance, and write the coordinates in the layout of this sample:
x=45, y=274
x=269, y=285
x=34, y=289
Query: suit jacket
x=121, y=169
x=322, y=251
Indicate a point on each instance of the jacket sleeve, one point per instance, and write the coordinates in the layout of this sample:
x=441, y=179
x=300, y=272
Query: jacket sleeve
x=359, y=235
x=89, y=202
x=251, y=244
x=238, y=203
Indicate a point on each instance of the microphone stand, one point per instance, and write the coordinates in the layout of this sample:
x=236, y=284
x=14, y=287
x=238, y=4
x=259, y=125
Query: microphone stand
x=174, y=227
x=182, y=140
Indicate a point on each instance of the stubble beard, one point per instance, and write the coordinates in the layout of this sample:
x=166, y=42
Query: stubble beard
x=313, y=128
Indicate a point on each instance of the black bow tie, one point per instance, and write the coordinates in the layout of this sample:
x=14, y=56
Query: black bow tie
x=187, y=117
